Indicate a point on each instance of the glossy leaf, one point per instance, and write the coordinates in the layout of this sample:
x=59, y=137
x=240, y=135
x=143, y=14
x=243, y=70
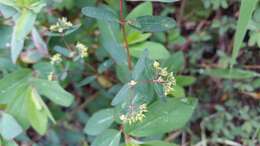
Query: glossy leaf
x=171, y=114
x=110, y=41
x=9, y=128
x=99, y=13
x=53, y=91
x=108, y=138
x=175, y=62
x=99, y=122
x=185, y=80
x=142, y=9
x=122, y=95
x=140, y=66
x=156, y=50
x=153, y=23
x=36, y=113
x=22, y=27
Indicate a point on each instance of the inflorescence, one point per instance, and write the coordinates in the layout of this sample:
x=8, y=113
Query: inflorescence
x=165, y=78
x=83, y=50
x=61, y=25
x=135, y=116
x=56, y=59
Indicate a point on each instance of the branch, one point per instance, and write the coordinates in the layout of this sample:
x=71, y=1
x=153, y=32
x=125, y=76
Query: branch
x=123, y=23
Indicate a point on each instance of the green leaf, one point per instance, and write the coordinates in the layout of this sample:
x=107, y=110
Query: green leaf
x=110, y=41
x=86, y=81
x=10, y=3
x=5, y=32
x=165, y=1
x=63, y=51
x=157, y=143
x=178, y=91
x=99, y=13
x=231, y=73
x=175, y=62
x=122, y=95
x=39, y=42
x=156, y=50
x=108, y=138
x=153, y=23
x=185, y=80
x=9, y=128
x=53, y=91
x=36, y=113
x=7, y=11
x=171, y=114
x=23, y=26
x=99, y=122
x=136, y=37
x=123, y=73
x=13, y=84
x=142, y=9
x=9, y=143
x=21, y=102
x=246, y=10
x=140, y=66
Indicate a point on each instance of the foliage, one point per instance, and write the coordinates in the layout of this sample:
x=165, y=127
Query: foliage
x=112, y=73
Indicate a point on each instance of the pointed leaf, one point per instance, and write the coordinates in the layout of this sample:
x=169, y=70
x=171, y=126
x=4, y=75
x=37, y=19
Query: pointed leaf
x=36, y=113
x=53, y=91
x=108, y=138
x=122, y=95
x=246, y=10
x=231, y=73
x=99, y=13
x=99, y=122
x=153, y=23
x=9, y=128
x=171, y=114
x=140, y=66
x=22, y=27
x=156, y=50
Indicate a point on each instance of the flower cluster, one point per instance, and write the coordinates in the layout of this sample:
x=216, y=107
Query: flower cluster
x=136, y=116
x=61, y=25
x=56, y=59
x=165, y=78
x=83, y=50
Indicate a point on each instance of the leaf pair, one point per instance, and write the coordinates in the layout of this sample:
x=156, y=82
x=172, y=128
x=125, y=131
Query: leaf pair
x=143, y=23
x=24, y=21
x=20, y=91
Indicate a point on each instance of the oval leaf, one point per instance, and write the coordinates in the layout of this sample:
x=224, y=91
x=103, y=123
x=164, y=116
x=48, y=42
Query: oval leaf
x=156, y=50
x=153, y=23
x=171, y=114
x=99, y=122
x=108, y=138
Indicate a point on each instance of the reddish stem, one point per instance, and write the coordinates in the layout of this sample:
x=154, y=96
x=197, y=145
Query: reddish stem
x=122, y=23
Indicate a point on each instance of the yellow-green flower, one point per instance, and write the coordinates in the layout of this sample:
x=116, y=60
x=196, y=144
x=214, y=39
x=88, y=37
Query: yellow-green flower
x=136, y=116
x=165, y=78
x=56, y=59
x=61, y=25
x=83, y=50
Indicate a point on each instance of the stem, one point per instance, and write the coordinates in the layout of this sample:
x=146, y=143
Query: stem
x=122, y=23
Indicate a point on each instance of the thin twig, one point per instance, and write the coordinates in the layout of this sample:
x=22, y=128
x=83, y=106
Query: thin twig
x=123, y=23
